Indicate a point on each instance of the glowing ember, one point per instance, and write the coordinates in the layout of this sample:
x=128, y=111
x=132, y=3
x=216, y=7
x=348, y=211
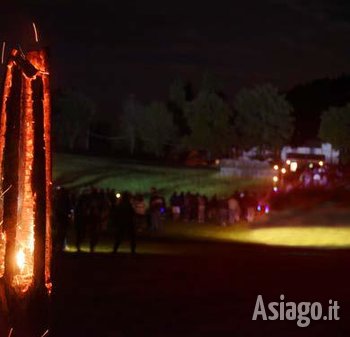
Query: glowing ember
x=25, y=228
x=6, y=94
x=2, y=252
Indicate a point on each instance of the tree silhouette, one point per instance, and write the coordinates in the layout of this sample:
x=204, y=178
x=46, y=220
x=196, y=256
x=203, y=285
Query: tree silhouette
x=335, y=129
x=130, y=122
x=263, y=118
x=156, y=129
x=208, y=118
x=73, y=113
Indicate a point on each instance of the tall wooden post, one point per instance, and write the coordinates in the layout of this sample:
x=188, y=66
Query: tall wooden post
x=25, y=171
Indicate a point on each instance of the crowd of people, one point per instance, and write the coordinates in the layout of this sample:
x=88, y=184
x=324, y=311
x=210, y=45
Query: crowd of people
x=310, y=176
x=93, y=212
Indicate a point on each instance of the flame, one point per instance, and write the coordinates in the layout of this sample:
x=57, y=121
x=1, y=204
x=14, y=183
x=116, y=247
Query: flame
x=20, y=259
x=26, y=207
x=2, y=252
x=6, y=94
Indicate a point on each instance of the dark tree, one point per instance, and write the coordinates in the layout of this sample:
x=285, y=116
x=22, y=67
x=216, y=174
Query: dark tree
x=130, y=122
x=178, y=99
x=208, y=117
x=73, y=113
x=156, y=129
x=335, y=129
x=263, y=118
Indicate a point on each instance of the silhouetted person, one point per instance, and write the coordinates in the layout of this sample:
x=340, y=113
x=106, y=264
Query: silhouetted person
x=233, y=210
x=81, y=217
x=202, y=205
x=223, y=211
x=139, y=206
x=213, y=208
x=123, y=219
x=157, y=204
x=62, y=211
x=94, y=221
x=249, y=204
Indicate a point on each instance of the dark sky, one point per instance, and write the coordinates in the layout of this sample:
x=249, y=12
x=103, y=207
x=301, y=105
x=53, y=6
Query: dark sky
x=110, y=49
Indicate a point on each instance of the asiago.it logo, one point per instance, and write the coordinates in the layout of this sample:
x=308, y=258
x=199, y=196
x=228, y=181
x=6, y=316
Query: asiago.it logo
x=303, y=312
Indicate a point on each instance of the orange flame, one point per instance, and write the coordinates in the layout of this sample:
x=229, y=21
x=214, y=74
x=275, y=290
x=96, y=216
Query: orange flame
x=25, y=226
x=6, y=94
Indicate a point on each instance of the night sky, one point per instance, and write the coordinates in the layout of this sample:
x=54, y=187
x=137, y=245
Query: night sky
x=109, y=50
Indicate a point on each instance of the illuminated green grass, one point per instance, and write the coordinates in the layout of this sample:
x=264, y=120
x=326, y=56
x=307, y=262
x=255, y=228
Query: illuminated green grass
x=81, y=171
x=310, y=236
x=325, y=237
x=307, y=237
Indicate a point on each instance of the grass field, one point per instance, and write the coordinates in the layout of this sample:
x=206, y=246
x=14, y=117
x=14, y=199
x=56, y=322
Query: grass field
x=183, y=234
x=81, y=171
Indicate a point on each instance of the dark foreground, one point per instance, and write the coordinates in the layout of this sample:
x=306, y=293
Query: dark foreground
x=211, y=291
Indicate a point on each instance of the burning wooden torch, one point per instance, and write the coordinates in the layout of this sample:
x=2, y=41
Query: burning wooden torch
x=25, y=190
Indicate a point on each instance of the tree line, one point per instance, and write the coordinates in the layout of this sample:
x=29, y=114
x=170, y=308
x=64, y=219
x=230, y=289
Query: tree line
x=204, y=120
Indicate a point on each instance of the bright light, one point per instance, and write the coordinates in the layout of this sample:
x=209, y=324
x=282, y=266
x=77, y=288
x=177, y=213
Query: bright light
x=259, y=208
x=20, y=259
x=288, y=162
x=321, y=237
x=275, y=189
x=118, y=195
x=283, y=170
x=320, y=163
x=275, y=167
x=275, y=179
x=293, y=166
x=267, y=209
x=217, y=162
x=311, y=165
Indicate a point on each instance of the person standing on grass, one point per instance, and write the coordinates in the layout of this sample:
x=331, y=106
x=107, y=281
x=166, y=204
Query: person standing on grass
x=124, y=220
x=94, y=222
x=213, y=208
x=175, y=206
x=187, y=206
x=233, y=210
x=202, y=203
x=156, y=204
x=140, y=212
x=223, y=211
x=62, y=212
x=249, y=204
x=81, y=217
